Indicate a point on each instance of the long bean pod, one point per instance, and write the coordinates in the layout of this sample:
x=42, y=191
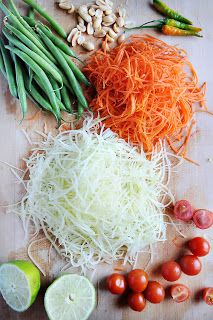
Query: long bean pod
x=80, y=109
x=11, y=17
x=29, y=43
x=45, y=15
x=67, y=70
x=31, y=74
x=2, y=67
x=20, y=85
x=30, y=21
x=31, y=14
x=57, y=41
x=38, y=59
x=55, y=88
x=66, y=99
x=9, y=67
x=42, y=75
x=16, y=13
x=34, y=48
x=77, y=72
x=41, y=85
x=34, y=95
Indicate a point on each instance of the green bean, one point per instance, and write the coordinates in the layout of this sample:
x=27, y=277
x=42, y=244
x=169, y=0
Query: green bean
x=2, y=67
x=55, y=88
x=37, y=97
x=34, y=48
x=64, y=65
x=42, y=75
x=30, y=21
x=78, y=74
x=41, y=85
x=65, y=99
x=31, y=74
x=29, y=43
x=26, y=32
x=20, y=85
x=44, y=14
x=37, y=104
x=34, y=95
x=16, y=13
x=31, y=14
x=80, y=109
x=57, y=41
x=9, y=67
x=39, y=60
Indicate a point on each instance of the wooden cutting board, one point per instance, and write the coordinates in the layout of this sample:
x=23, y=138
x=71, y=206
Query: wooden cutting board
x=189, y=181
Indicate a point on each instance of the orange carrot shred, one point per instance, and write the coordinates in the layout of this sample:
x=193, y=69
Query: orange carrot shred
x=146, y=90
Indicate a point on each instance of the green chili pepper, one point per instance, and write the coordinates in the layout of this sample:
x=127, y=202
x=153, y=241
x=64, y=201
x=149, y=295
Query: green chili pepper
x=168, y=22
x=172, y=31
x=181, y=25
x=168, y=12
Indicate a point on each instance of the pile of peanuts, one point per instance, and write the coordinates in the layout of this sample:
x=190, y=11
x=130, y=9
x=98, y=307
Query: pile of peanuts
x=96, y=20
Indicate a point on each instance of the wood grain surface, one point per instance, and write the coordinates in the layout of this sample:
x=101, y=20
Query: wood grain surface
x=194, y=183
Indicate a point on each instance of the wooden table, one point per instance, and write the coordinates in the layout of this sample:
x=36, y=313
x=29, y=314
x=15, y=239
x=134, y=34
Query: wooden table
x=189, y=181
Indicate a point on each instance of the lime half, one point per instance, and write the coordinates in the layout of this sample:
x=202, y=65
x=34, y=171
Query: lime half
x=70, y=297
x=19, y=284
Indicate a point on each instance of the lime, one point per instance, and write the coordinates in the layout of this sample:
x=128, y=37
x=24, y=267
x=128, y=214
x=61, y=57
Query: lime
x=70, y=297
x=19, y=284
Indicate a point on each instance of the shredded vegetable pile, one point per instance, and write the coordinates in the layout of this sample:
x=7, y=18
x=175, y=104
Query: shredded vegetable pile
x=96, y=197
x=145, y=91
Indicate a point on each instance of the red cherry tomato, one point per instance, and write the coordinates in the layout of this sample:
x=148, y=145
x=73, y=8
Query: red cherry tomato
x=171, y=271
x=199, y=246
x=136, y=301
x=183, y=210
x=137, y=280
x=154, y=292
x=208, y=296
x=203, y=219
x=190, y=264
x=179, y=292
x=116, y=283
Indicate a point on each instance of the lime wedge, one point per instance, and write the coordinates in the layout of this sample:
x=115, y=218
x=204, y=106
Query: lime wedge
x=70, y=297
x=19, y=284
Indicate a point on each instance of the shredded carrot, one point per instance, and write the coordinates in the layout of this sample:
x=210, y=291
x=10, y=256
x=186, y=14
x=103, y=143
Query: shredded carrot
x=146, y=90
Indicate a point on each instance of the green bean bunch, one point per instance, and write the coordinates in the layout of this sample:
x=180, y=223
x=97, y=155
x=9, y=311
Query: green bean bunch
x=37, y=64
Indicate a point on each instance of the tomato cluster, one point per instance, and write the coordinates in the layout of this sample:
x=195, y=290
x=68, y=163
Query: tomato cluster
x=191, y=265
x=202, y=218
x=140, y=288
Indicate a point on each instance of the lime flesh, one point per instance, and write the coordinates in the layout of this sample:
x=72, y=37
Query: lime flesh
x=19, y=284
x=70, y=297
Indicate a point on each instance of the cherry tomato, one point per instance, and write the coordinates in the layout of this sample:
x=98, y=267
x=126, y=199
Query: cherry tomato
x=154, y=292
x=183, y=210
x=203, y=219
x=136, y=301
x=137, y=280
x=116, y=283
x=171, y=271
x=208, y=296
x=190, y=264
x=199, y=246
x=179, y=292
